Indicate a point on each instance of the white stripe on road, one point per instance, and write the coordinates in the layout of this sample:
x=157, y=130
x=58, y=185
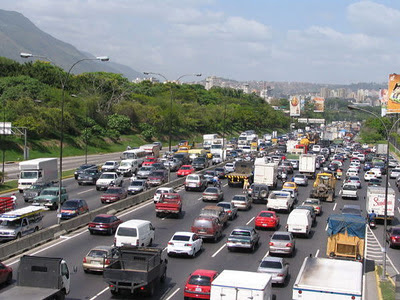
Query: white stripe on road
x=173, y=294
x=398, y=209
x=334, y=207
x=98, y=294
x=84, y=192
x=316, y=254
x=201, y=198
x=326, y=228
x=225, y=185
x=250, y=221
x=388, y=183
x=219, y=250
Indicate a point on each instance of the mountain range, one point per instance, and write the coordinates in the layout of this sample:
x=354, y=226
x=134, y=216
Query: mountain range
x=18, y=34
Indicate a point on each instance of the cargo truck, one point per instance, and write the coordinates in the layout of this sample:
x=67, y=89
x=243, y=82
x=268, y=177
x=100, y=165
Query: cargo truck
x=346, y=236
x=307, y=165
x=376, y=201
x=265, y=172
x=328, y=279
x=40, y=278
x=40, y=170
x=381, y=149
x=243, y=170
x=208, y=140
x=136, y=269
x=241, y=285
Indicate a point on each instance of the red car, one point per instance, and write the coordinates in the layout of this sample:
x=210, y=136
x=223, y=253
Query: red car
x=104, y=224
x=266, y=219
x=198, y=285
x=6, y=274
x=149, y=160
x=393, y=237
x=185, y=170
x=113, y=194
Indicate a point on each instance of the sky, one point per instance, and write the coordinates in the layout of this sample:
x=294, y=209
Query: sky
x=317, y=41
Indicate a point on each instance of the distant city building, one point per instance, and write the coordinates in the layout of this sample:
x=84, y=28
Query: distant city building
x=324, y=92
x=210, y=82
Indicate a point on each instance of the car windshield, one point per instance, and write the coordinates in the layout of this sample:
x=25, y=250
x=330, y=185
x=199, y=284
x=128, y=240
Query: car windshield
x=112, y=191
x=136, y=183
x=125, y=164
x=146, y=169
x=183, y=238
x=299, y=176
x=283, y=237
x=157, y=174
x=239, y=198
x=97, y=253
x=354, y=178
x=396, y=231
x=200, y=280
x=240, y=233
x=224, y=205
x=109, y=163
x=222, y=169
x=49, y=193
x=70, y=204
x=311, y=202
x=192, y=177
x=107, y=176
x=211, y=190
x=29, y=175
x=185, y=168
x=101, y=220
x=271, y=264
x=350, y=187
x=125, y=231
x=266, y=214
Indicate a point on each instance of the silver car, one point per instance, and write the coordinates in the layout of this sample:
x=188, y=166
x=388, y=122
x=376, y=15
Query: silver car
x=277, y=267
x=242, y=202
x=282, y=242
x=300, y=179
x=229, y=168
x=229, y=208
x=137, y=186
x=295, y=163
x=144, y=172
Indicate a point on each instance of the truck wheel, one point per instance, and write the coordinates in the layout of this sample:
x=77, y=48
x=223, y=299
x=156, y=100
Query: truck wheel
x=114, y=292
x=151, y=242
x=9, y=278
x=18, y=235
x=163, y=276
x=54, y=206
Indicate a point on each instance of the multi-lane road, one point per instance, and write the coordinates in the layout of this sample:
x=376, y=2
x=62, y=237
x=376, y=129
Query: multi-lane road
x=215, y=256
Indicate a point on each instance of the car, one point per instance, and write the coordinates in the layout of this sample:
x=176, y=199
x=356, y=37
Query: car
x=187, y=243
x=104, y=223
x=98, y=258
x=300, y=179
x=195, y=182
x=315, y=203
x=393, y=236
x=137, y=186
x=72, y=208
x=229, y=208
x=89, y=176
x=159, y=144
x=243, y=237
x=282, y=242
x=349, y=191
x=200, y=163
x=374, y=182
x=395, y=172
x=277, y=267
x=173, y=164
x=293, y=193
x=149, y=160
x=381, y=166
x=266, y=219
x=82, y=168
x=351, y=209
x=6, y=274
x=312, y=211
x=213, y=194
x=34, y=190
x=377, y=171
x=160, y=191
x=110, y=166
x=355, y=180
x=242, y=202
x=229, y=168
x=157, y=177
x=295, y=163
x=207, y=227
x=108, y=179
x=198, y=285
x=216, y=159
x=209, y=175
x=258, y=192
x=352, y=172
x=367, y=166
x=369, y=175
x=337, y=162
x=144, y=172
x=393, y=163
x=290, y=185
x=220, y=171
x=50, y=197
x=113, y=194
x=185, y=170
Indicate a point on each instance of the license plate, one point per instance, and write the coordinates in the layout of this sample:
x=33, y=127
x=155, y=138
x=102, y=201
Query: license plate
x=192, y=185
x=198, y=289
x=98, y=226
x=296, y=229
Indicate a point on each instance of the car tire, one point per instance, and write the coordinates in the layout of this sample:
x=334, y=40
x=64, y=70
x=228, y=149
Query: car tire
x=9, y=278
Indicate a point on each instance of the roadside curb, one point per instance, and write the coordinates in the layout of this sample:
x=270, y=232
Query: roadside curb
x=377, y=284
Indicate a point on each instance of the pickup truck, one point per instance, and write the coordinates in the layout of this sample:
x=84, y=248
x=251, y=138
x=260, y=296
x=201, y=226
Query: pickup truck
x=50, y=198
x=169, y=204
x=215, y=211
x=136, y=269
x=280, y=200
x=349, y=191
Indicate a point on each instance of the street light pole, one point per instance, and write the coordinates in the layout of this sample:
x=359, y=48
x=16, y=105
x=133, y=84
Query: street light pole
x=3, y=144
x=387, y=131
x=63, y=85
x=170, y=105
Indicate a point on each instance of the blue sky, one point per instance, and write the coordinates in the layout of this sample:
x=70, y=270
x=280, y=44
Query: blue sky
x=320, y=41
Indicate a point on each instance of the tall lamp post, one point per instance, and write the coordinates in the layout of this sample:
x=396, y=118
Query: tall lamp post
x=387, y=131
x=171, y=98
x=63, y=85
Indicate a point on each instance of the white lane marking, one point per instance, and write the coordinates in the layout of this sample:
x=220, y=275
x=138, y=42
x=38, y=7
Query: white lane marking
x=201, y=198
x=78, y=234
x=98, y=294
x=173, y=294
x=87, y=191
x=250, y=221
x=398, y=209
x=334, y=207
x=316, y=254
x=388, y=183
x=219, y=250
x=326, y=228
x=266, y=254
x=64, y=237
x=225, y=185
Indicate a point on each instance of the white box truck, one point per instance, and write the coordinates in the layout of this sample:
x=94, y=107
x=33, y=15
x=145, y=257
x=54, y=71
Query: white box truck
x=208, y=140
x=241, y=285
x=381, y=148
x=265, y=172
x=39, y=170
x=376, y=201
x=328, y=279
x=307, y=165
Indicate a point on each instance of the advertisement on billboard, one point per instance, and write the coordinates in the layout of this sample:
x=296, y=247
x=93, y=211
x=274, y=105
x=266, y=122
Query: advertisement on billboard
x=393, y=105
x=294, y=106
x=383, y=99
x=319, y=104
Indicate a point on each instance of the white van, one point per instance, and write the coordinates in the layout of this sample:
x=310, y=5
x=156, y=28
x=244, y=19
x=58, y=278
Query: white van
x=135, y=233
x=299, y=222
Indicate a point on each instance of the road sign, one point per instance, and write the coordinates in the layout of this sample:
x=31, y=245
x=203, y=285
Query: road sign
x=5, y=128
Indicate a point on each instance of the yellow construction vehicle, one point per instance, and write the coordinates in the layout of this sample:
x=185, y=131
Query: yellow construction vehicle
x=324, y=187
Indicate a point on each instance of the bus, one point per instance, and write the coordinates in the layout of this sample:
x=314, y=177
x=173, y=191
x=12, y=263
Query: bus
x=137, y=154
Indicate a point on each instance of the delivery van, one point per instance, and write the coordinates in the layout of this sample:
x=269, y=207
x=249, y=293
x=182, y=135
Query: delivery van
x=134, y=233
x=299, y=222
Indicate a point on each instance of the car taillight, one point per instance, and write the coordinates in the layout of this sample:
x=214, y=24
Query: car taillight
x=300, y=292
x=107, y=262
x=84, y=260
x=318, y=207
x=271, y=243
x=228, y=211
x=281, y=275
x=170, y=243
x=358, y=181
x=393, y=238
x=188, y=245
x=307, y=227
x=289, y=245
x=137, y=242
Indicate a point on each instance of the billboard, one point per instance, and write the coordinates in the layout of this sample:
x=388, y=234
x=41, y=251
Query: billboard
x=383, y=99
x=393, y=105
x=294, y=103
x=5, y=128
x=319, y=104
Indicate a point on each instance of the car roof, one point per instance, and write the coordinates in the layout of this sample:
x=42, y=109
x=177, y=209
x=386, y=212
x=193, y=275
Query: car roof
x=272, y=258
x=102, y=247
x=187, y=233
x=246, y=228
x=204, y=272
x=104, y=216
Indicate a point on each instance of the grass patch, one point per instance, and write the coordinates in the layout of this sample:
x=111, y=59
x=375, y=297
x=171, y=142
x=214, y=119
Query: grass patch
x=387, y=288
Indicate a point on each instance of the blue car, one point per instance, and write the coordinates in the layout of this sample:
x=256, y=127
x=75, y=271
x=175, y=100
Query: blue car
x=367, y=166
x=73, y=208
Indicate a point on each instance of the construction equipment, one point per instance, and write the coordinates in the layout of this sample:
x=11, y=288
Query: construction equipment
x=324, y=187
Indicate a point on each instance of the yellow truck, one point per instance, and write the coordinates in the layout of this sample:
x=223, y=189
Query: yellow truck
x=324, y=187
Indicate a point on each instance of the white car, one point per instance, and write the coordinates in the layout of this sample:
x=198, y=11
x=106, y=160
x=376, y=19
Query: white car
x=377, y=172
x=229, y=168
x=108, y=178
x=110, y=166
x=361, y=157
x=160, y=191
x=352, y=172
x=187, y=243
x=395, y=172
x=369, y=175
x=354, y=166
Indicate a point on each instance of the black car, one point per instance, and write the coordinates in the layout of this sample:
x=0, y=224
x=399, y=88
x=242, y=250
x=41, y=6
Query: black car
x=259, y=193
x=82, y=168
x=34, y=191
x=89, y=176
x=220, y=172
x=200, y=163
